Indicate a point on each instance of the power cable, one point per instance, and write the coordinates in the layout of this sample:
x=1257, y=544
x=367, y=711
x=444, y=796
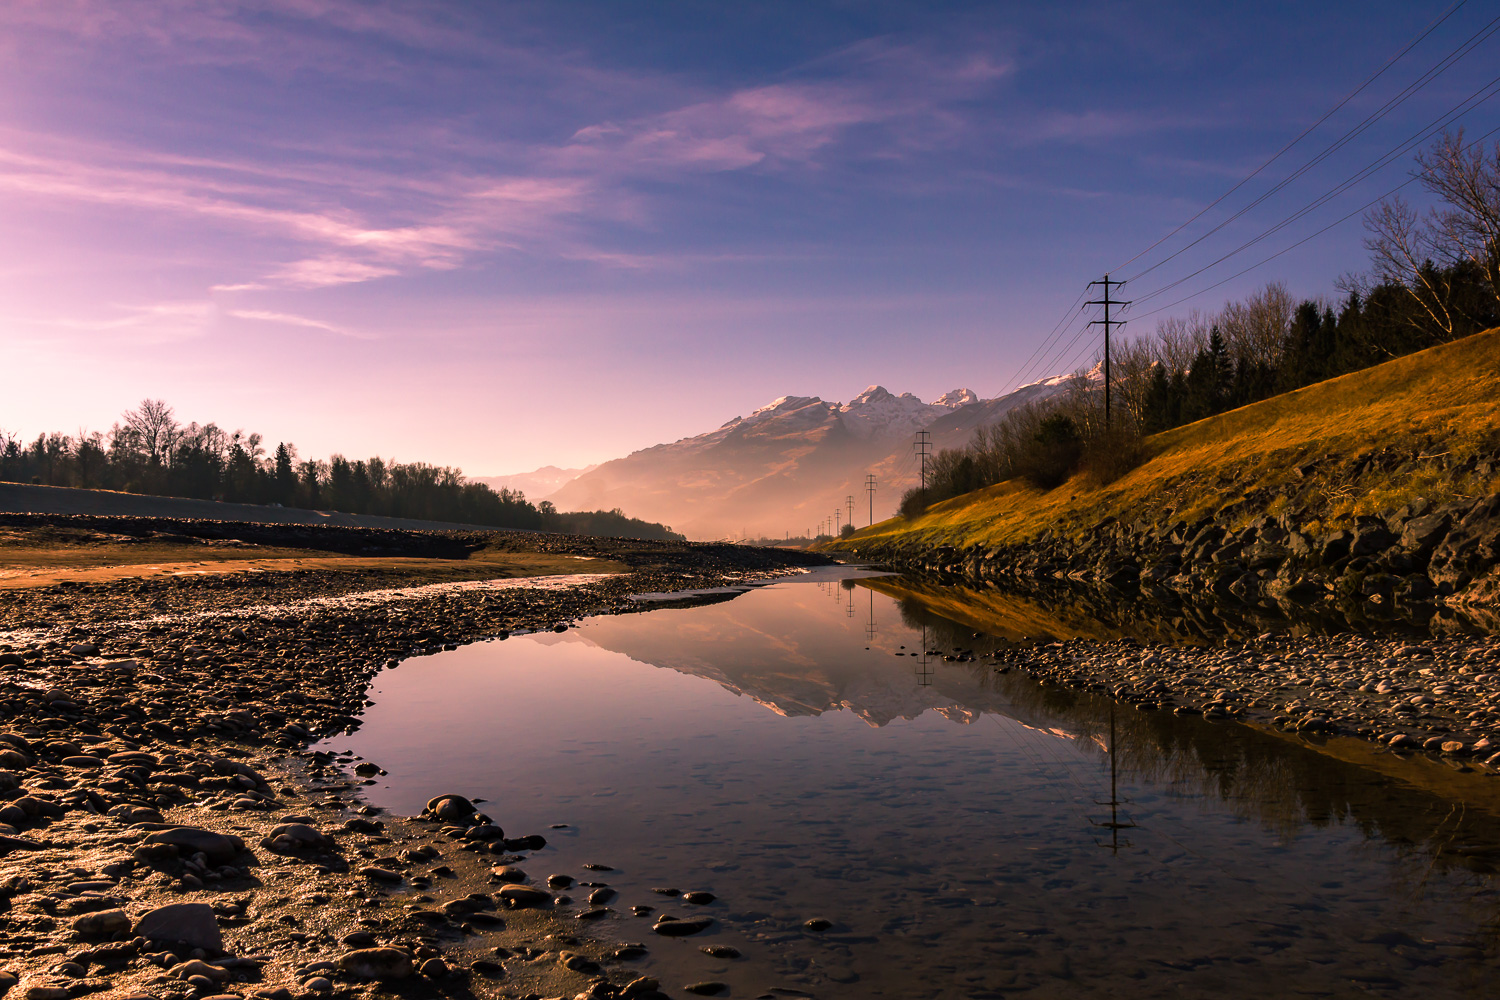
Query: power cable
x=1025, y=371
x=1337, y=222
x=1283, y=150
x=1443, y=65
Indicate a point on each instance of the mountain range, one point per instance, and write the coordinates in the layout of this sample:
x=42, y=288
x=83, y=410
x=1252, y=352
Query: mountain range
x=786, y=467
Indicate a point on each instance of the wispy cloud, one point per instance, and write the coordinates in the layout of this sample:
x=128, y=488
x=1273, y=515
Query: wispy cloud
x=442, y=194
x=289, y=319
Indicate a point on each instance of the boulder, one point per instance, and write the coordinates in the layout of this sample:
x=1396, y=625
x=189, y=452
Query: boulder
x=1421, y=535
x=220, y=848
x=103, y=922
x=185, y=923
x=454, y=809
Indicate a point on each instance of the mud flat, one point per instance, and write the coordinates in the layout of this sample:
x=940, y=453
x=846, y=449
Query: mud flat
x=168, y=833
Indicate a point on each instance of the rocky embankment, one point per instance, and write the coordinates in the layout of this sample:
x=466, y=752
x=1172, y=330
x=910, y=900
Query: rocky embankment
x=166, y=829
x=1440, y=696
x=1417, y=554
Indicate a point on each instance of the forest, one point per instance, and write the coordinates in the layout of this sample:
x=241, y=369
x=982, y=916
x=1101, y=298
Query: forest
x=149, y=451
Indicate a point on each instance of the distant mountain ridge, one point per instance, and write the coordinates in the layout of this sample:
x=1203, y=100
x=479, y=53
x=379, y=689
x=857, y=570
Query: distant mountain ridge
x=789, y=464
x=535, y=485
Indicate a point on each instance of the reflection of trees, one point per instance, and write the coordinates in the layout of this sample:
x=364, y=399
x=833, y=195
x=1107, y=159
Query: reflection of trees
x=1060, y=610
x=1283, y=785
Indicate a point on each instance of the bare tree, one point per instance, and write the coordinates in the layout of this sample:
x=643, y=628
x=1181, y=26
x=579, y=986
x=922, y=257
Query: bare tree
x=1402, y=249
x=1255, y=330
x=1179, y=339
x=1130, y=371
x=155, y=428
x=1468, y=181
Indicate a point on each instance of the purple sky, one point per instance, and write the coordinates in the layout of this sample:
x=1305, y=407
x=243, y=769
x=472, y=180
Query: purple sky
x=504, y=235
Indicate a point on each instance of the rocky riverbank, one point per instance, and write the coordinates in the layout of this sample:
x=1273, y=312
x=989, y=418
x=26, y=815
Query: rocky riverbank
x=1417, y=554
x=168, y=832
x=1440, y=696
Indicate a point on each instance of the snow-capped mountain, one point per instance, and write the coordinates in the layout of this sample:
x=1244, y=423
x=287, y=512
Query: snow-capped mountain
x=790, y=464
x=876, y=412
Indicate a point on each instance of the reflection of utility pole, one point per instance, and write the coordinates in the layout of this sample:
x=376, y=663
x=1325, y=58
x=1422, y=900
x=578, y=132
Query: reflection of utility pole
x=849, y=611
x=1114, y=826
x=870, y=489
x=924, y=672
x=870, y=628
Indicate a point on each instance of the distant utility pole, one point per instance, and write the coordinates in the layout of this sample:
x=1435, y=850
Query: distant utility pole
x=835, y=521
x=923, y=447
x=870, y=489
x=849, y=506
x=1106, y=322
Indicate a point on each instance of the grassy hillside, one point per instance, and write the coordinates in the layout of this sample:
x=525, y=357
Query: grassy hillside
x=1425, y=425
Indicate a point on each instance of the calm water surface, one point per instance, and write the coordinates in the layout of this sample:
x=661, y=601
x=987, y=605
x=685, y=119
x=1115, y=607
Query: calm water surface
x=954, y=823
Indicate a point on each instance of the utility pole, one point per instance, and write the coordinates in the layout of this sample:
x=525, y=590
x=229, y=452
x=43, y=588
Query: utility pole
x=1106, y=322
x=835, y=522
x=849, y=506
x=870, y=489
x=923, y=447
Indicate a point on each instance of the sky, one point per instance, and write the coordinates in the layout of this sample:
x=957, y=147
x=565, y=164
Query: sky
x=503, y=235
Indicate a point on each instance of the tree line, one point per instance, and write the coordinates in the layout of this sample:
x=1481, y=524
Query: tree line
x=150, y=452
x=1432, y=279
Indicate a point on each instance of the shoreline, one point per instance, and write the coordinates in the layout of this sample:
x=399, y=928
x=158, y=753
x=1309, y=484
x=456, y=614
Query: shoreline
x=157, y=705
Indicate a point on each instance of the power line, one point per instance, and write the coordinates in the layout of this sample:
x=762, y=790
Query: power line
x=1304, y=134
x=1068, y=315
x=1380, y=162
x=1337, y=222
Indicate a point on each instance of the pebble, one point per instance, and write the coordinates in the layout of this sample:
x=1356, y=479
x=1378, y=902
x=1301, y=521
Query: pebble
x=672, y=927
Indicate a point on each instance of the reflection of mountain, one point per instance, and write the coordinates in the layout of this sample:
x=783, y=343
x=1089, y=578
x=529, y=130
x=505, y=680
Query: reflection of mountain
x=793, y=649
x=789, y=657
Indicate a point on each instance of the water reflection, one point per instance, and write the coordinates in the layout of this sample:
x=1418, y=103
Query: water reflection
x=969, y=832
x=1064, y=610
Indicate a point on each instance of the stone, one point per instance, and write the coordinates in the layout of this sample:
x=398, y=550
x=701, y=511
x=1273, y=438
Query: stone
x=452, y=809
x=196, y=968
x=103, y=922
x=220, y=848
x=671, y=927
x=376, y=963
x=9, y=844
x=511, y=874
x=187, y=923
x=707, y=989
x=817, y=924
x=698, y=898
x=524, y=896
x=720, y=951
x=291, y=837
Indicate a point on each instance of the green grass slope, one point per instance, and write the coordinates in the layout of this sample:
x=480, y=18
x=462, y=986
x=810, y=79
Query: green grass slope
x=1425, y=425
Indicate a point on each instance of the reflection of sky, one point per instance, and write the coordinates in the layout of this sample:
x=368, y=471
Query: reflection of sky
x=948, y=854
x=396, y=226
